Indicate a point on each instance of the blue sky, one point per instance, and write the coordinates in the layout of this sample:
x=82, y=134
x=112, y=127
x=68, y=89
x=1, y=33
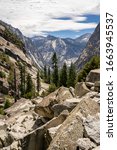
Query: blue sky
x=61, y=18
x=75, y=34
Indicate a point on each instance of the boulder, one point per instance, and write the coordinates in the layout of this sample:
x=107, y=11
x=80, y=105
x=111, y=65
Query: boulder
x=72, y=128
x=81, y=89
x=89, y=84
x=68, y=104
x=50, y=135
x=5, y=139
x=44, y=108
x=64, y=93
x=85, y=144
x=92, y=128
x=93, y=76
x=97, y=86
x=22, y=124
x=22, y=105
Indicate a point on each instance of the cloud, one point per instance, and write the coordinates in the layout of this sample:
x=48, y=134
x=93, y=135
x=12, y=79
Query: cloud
x=40, y=16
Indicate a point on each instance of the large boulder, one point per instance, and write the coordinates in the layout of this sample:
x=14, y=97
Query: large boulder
x=44, y=108
x=93, y=76
x=81, y=89
x=22, y=105
x=68, y=104
x=72, y=128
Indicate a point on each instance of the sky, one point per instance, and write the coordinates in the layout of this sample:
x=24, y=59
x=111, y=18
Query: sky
x=61, y=18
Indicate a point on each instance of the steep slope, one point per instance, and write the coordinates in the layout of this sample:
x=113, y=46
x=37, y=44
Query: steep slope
x=92, y=49
x=67, y=49
x=27, y=45
x=12, y=55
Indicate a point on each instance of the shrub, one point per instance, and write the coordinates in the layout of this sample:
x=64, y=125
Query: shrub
x=2, y=111
x=52, y=88
x=7, y=104
x=2, y=74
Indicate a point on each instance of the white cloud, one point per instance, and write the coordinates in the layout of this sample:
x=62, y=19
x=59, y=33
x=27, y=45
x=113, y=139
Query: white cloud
x=37, y=16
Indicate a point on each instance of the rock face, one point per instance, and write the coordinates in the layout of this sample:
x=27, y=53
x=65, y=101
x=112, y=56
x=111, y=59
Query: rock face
x=92, y=49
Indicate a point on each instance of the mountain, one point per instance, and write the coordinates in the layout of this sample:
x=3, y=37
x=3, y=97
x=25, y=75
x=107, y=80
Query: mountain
x=67, y=49
x=92, y=49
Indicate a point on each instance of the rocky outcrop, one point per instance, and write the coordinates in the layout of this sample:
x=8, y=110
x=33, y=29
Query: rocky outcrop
x=72, y=129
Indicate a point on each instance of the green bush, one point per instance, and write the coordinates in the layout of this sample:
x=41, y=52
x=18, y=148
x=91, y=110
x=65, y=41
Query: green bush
x=28, y=95
x=52, y=88
x=2, y=111
x=94, y=63
x=7, y=104
x=2, y=74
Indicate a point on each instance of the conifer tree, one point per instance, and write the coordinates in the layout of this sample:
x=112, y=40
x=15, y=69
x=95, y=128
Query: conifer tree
x=38, y=81
x=49, y=76
x=15, y=86
x=29, y=84
x=63, y=76
x=45, y=73
x=30, y=88
x=22, y=80
x=55, y=77
x=71, y=76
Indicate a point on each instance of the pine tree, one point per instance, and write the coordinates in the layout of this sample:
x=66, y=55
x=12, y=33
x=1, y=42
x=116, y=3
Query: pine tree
x=15, y=86
x=29, y=84
x=55, y=77
x=71, y=76
x=49, y=76
x=30, y=88
x=63, y=76
x=45, y=73
x=38, y=81
x=22, y=80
